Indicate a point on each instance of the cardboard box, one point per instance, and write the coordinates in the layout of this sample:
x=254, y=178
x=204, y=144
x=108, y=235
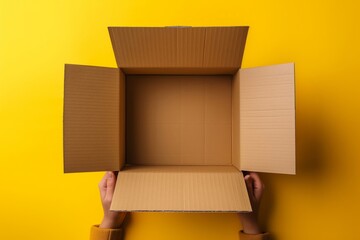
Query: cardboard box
x=179, y=119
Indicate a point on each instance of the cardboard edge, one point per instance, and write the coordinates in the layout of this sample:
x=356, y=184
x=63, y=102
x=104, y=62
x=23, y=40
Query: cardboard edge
x=235, y=137
x=244, y=44
x=295, y=152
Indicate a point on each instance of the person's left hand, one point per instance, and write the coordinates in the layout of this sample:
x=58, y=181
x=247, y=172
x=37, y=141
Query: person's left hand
x=111, y=219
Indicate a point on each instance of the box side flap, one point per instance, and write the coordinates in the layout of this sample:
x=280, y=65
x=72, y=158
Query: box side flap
x=91, y=119
x=193, y=48
x=181, y=188
x=267, y=119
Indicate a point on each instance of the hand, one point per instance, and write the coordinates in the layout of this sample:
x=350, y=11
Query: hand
x=255, y=190
x=111, y=219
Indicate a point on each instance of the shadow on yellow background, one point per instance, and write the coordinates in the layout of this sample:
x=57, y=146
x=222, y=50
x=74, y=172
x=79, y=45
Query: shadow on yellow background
x=38, y=201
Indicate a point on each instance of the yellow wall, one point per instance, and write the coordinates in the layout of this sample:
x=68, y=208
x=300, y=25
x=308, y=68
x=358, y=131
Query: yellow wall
x=37, y=37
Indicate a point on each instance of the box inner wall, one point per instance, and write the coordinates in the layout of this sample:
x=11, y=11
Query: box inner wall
x=178, y=119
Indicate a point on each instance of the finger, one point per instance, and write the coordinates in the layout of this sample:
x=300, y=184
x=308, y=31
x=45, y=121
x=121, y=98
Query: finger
x=102, y=185
x=249, y=186
x=110, y=185
x=257, y=185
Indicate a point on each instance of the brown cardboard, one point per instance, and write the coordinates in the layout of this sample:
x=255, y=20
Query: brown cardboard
x=91, y=119
x=188, y=49
x=181, y=188
x=180, y=119
x=235, y=138
x=267, y=119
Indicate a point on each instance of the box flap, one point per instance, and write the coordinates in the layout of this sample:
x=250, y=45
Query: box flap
x=267, y=119
x=91, y=119
x=187, y=49
x=224, y=46
x=181, y=188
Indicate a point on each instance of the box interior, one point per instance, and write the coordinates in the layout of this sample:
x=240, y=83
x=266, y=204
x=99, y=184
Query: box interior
x=178, y=119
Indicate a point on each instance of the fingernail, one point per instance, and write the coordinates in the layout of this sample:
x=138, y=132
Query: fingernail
x=110, y=175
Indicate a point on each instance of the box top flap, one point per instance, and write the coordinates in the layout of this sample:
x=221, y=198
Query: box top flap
x=178, y=48
x=181, y=188
x=91, y=119
x=267, y=119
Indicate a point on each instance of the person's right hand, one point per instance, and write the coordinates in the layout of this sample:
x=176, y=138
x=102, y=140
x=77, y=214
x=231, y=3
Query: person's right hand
x=255, y=189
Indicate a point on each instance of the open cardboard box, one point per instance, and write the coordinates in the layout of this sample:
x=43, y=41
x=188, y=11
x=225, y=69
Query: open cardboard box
x=179, y=119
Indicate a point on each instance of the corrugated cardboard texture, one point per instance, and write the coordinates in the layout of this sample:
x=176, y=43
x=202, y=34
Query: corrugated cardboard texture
x=91, y=119
x=178, y=120
x=224, y=47
x=182, y=71
x=194, y=47
x=235, y=141
x=267, y=119
x=180, y=188
x=122, y=117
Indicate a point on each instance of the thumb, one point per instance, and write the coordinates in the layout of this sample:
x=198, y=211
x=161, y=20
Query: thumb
x=249, y=186
x=258, y=186
x=110, y=185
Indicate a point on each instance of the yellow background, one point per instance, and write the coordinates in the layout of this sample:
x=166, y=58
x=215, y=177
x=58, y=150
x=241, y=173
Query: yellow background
x=38, y=201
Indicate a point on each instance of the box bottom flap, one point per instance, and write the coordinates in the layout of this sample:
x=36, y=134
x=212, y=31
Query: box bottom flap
x=181, y=188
